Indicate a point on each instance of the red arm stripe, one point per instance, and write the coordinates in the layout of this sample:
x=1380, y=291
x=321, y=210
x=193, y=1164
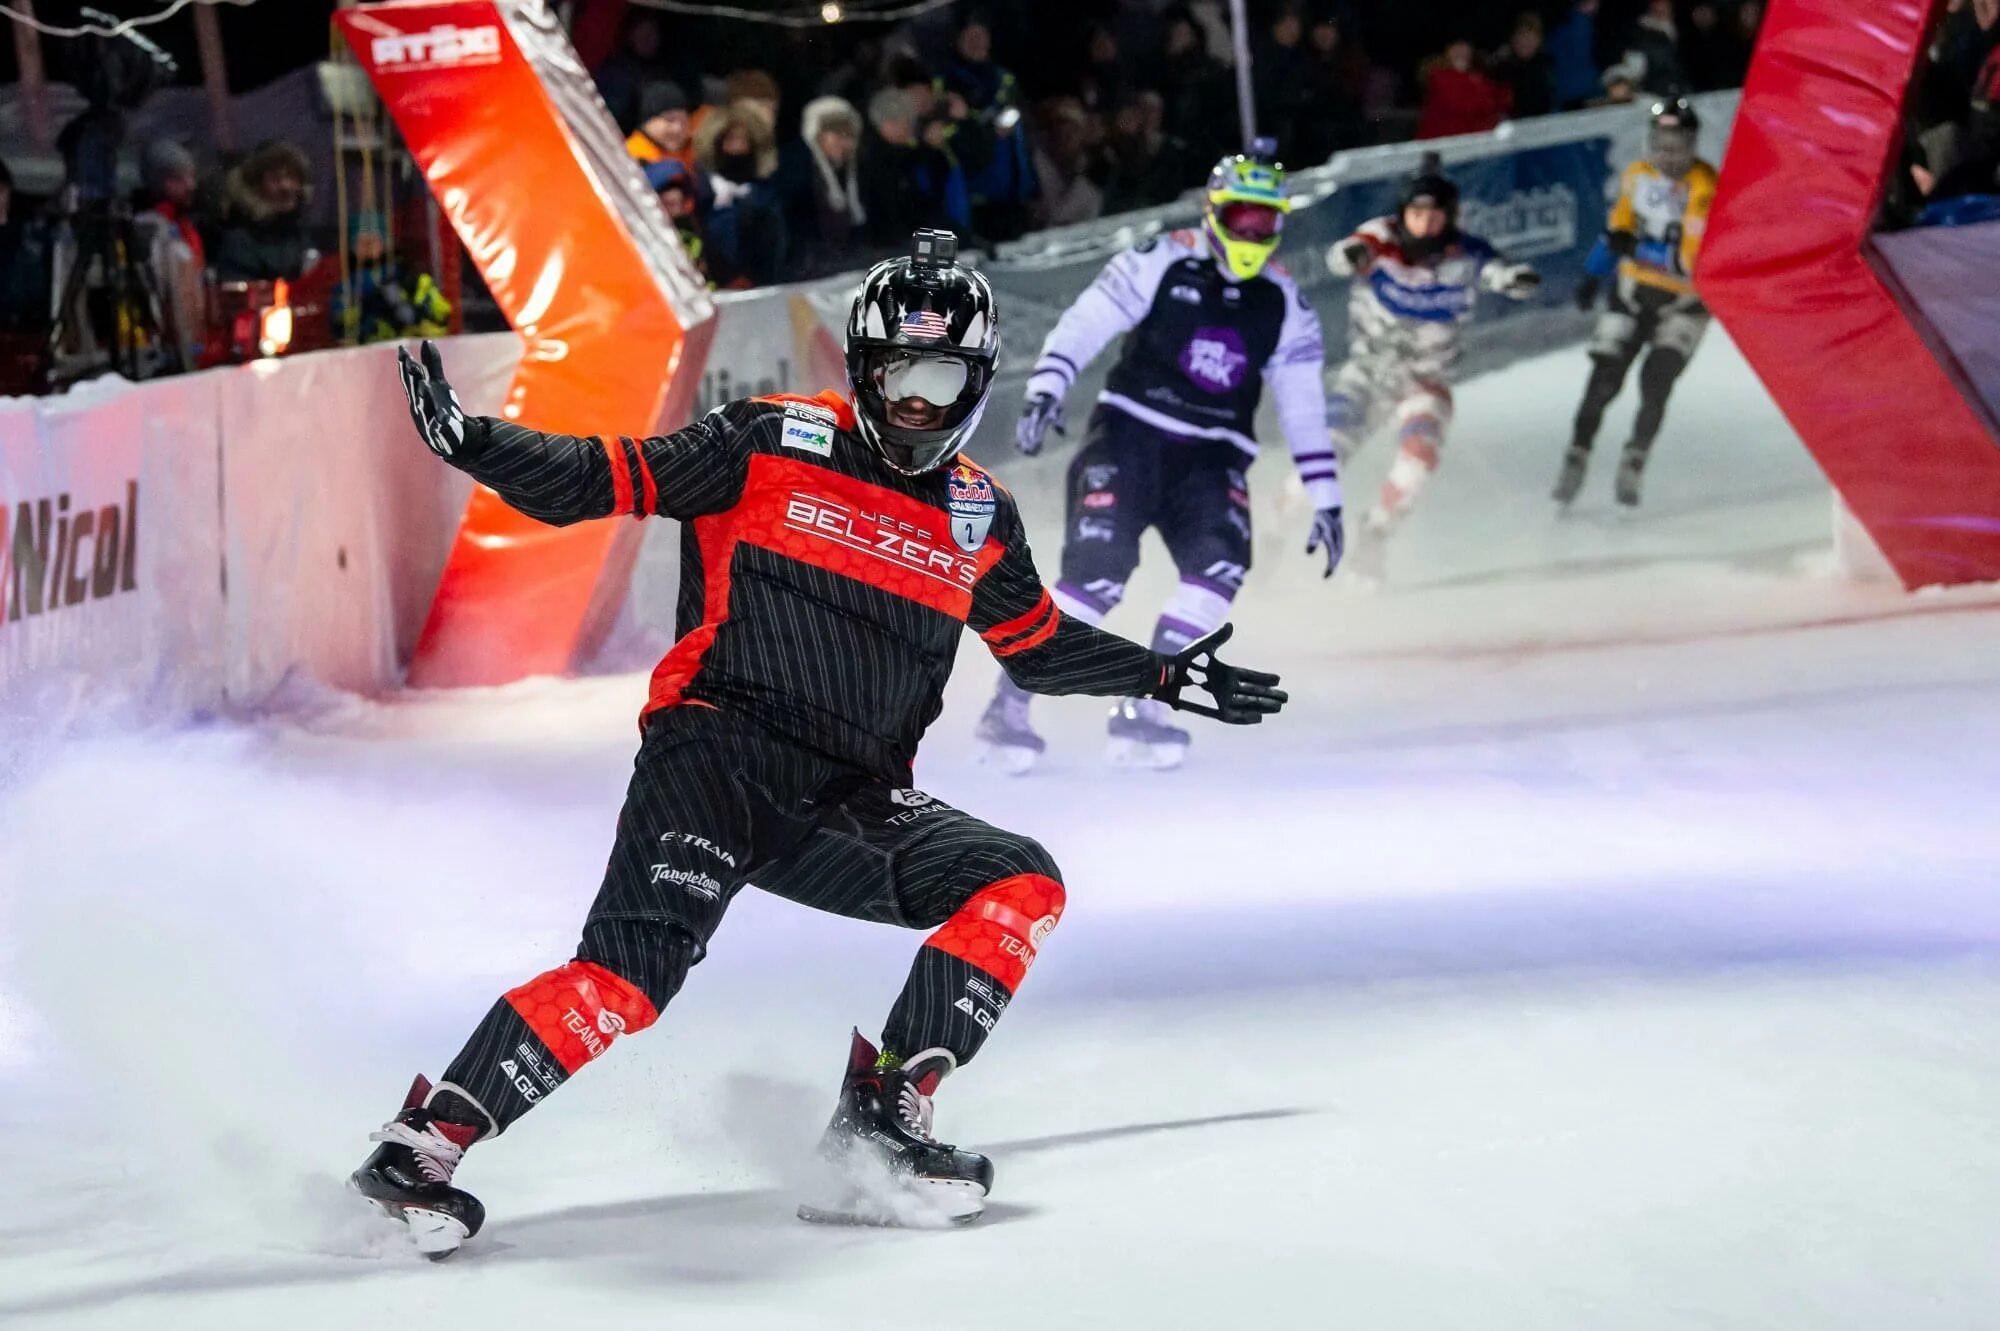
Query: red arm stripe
x=1020, y=623
x=651, y=490
x=1035, y=639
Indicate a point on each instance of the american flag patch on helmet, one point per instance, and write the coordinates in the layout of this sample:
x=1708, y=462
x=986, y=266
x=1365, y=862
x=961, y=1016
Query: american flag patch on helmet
x=927, y=325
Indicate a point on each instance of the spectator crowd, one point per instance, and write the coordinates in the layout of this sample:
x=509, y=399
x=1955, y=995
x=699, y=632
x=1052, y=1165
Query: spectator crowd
x=783, y=154
x=1951, y=151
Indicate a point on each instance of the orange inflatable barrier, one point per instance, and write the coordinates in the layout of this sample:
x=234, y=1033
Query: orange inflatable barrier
x=503, y=120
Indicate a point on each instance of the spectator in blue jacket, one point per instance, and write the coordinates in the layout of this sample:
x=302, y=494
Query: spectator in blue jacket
x=1573, y=48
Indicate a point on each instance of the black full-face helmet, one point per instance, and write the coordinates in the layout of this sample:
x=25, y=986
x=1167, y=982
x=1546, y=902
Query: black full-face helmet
x=922, y=341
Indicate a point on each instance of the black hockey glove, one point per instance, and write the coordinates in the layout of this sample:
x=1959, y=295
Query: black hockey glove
x=1242, y=697
x=1350, y=257
x=1624, y=244
x=1330, y=535
x=433, y=406
x=1586, y=293
x=1040, y=414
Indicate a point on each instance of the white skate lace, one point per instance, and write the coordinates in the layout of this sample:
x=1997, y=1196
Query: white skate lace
x=915, y=1109
x=437, y=1156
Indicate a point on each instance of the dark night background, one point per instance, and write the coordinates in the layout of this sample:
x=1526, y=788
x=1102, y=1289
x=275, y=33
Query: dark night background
x=265, y=39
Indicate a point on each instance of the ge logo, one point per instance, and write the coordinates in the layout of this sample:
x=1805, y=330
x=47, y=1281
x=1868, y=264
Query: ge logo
x=610, y=1022
x=910, y=799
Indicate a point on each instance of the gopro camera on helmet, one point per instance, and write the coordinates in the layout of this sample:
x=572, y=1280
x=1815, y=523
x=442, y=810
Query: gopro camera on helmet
x=933, y=249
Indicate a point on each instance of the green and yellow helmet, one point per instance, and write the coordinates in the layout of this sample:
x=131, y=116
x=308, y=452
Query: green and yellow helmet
x=1245, y=211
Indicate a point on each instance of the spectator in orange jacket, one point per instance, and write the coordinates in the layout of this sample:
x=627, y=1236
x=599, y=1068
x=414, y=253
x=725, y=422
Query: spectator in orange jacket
x=1458, y=97
x=666, y=127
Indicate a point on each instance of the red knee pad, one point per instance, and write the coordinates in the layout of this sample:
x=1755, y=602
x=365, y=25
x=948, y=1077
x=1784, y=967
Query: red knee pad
x=1000, y=927
x=579, y=1008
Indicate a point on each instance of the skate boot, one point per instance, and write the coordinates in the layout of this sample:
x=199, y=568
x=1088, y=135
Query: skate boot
x=1630, y=468
x=408, y=1177
x=1005, y=738
x=888, y=1169
x=1576, y=463
x=1142, y=737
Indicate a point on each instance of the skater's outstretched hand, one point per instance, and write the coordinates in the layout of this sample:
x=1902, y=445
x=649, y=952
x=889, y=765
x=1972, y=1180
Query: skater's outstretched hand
x=1039, y=414
x=433, y=405
x=1328, y=534
x=1242, y=697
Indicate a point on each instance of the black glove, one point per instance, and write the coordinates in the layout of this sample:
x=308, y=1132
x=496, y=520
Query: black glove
x=1039, y=414
x=433, y=406
x=1356, y=255
x=1242, y=697
x=1586, y=293
x=1624, y=244
x=1328, y=534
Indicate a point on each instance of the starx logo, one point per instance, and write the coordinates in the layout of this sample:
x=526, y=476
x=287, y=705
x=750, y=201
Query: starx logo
x=442, y=46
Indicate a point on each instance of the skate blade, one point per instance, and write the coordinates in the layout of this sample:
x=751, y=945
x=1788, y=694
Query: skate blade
x=1137, y=755
x=1011, y=759
x=920, y=1204
x=435, y=1235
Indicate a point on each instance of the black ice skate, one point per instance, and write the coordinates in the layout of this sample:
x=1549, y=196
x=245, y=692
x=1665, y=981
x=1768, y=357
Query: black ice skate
x=1576, y=463
x=887, y=1168
x=408, y=1177
x=1142, y=737
x=1630, y=468
x=1005, y=737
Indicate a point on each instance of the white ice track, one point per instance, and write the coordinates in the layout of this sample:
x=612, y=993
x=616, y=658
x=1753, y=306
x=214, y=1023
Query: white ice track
x=1608, y=937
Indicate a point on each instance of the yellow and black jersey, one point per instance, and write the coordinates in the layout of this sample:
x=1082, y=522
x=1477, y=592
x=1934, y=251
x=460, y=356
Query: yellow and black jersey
x=1668, y=215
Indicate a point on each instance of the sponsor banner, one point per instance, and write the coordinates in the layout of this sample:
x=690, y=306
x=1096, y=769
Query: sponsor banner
x=192, y=543
x=110, y=555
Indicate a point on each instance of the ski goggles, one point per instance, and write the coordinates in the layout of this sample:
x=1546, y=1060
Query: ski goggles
x=1250, y=221
x=938, y=380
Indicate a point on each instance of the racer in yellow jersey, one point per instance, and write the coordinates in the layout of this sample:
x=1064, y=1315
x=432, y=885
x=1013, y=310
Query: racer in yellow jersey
x=1650, y=240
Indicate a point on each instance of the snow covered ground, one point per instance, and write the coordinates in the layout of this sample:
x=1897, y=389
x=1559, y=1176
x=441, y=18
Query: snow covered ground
x=1607, y=937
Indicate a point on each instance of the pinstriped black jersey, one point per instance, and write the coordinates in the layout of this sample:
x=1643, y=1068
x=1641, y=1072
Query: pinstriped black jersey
x=822, y=591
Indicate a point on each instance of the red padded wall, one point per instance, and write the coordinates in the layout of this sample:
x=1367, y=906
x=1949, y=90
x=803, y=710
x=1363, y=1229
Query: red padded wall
x=1785, y=266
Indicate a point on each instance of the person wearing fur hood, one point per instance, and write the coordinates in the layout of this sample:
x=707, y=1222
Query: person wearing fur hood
x=819, y=188
x=262, y=235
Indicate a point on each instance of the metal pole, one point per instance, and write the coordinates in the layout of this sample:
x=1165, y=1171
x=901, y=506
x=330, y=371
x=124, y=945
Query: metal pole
x=34, y=80
x=1246, y=105
x=215, y=77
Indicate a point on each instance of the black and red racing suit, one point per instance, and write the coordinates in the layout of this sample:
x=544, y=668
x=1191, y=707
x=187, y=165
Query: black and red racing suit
x=823, y=595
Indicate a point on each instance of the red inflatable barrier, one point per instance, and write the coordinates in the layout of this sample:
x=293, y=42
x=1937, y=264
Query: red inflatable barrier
x=533, y=176
x=1789, y=267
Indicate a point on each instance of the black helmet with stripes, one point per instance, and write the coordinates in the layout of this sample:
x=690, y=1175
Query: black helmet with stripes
x=922, y=340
